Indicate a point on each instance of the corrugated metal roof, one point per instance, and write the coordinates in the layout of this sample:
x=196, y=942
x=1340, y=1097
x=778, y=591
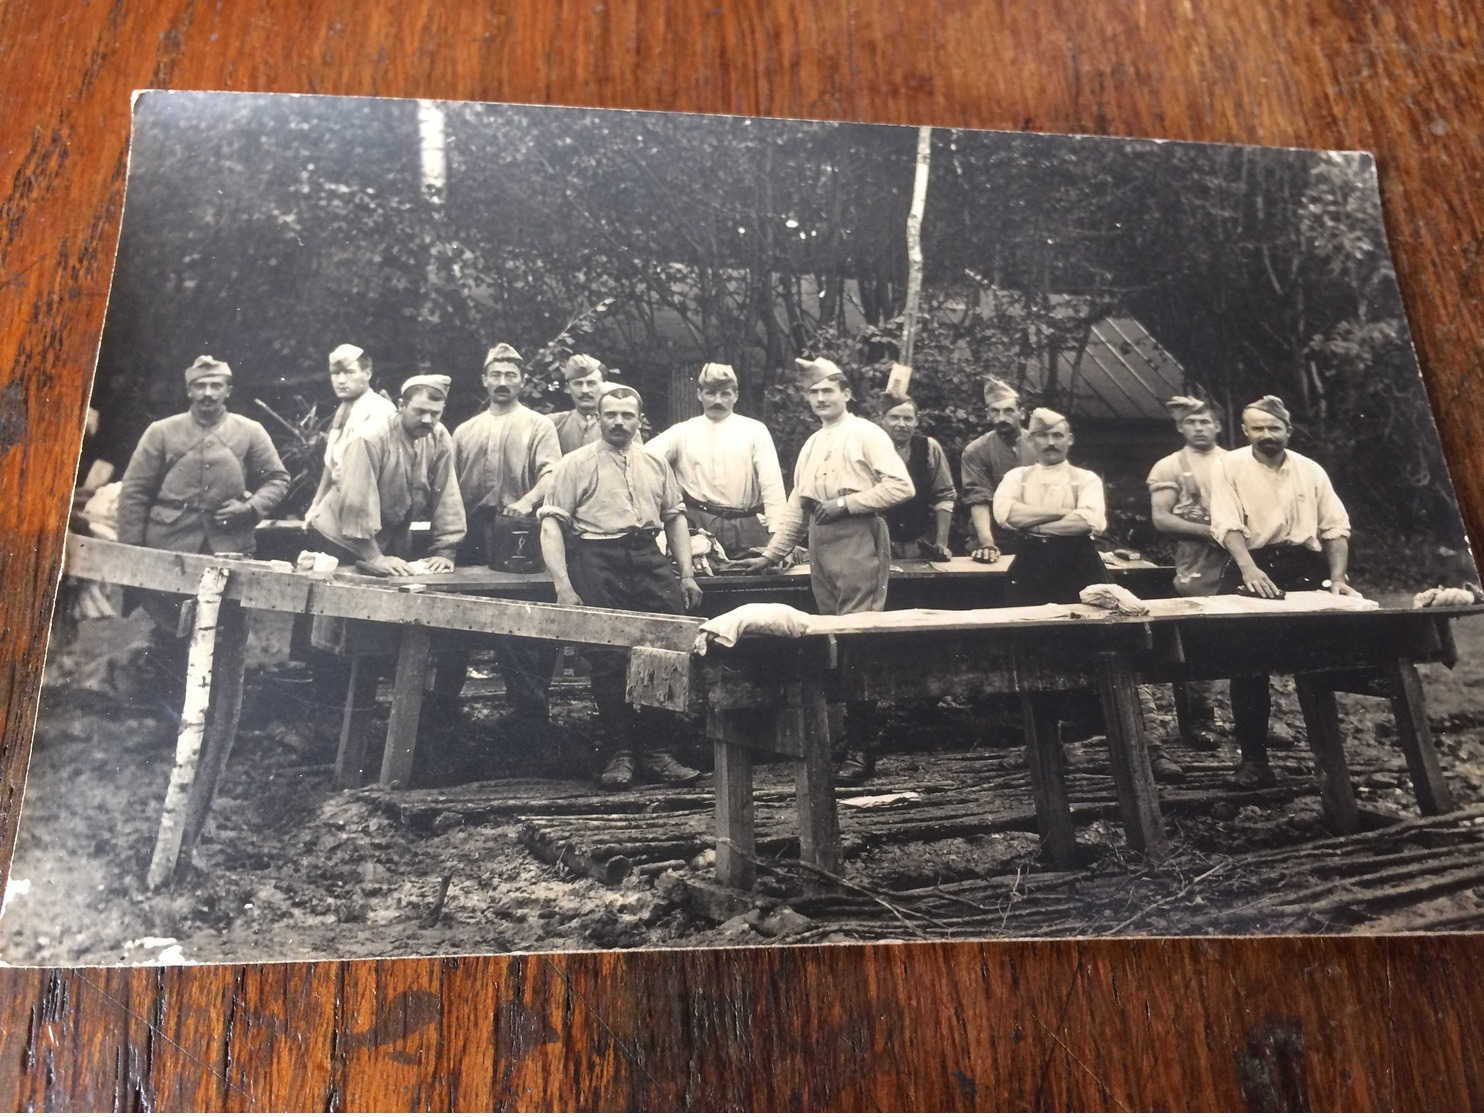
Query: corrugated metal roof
x=1124, y=373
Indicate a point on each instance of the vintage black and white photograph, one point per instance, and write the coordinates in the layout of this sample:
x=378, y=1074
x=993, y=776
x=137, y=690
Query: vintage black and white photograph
x=513, y=528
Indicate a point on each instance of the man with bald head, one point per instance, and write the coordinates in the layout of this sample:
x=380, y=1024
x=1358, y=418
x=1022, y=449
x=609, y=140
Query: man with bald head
x=1283, y=526
x=726, y=464
x=987, y=459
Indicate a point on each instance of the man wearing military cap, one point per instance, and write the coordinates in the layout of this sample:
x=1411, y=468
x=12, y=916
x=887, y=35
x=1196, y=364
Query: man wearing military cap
x=1283, y=526
x=198, y=482
x=584, y=376
x=400, y=471
x=987, y=459
x=1055, y=509
x=360, y=408
x=848, y=474
x=727, y=466
x=504, y=457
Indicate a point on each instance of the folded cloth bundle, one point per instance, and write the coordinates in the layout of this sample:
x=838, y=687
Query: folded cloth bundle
x=760, y=618
x=1439, y=597
x=1106, y=595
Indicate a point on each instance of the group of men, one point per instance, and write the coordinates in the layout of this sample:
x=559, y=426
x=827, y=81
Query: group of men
x=583, y=490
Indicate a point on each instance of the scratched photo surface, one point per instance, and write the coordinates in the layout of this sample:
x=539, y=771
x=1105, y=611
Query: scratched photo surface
x=246, y=755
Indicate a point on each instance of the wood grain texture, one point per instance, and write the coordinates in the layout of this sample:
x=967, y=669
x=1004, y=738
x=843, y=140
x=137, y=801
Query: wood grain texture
x=1354, y=1023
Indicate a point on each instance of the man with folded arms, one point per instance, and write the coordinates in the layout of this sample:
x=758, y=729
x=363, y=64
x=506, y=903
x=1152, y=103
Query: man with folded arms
x=848, y=474
x=726, y=464
x=987, y=459
x=1055, y=509
x=1278, y=517
x=605, y=507
x=504, y=457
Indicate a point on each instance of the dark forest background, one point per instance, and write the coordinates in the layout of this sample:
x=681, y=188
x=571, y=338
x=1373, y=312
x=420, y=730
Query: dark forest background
x=266, y=230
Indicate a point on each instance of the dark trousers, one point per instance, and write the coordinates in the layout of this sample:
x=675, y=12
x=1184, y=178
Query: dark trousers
x=1291, y=568
x=1052, y=569
x=525, y=665
x=628, y=573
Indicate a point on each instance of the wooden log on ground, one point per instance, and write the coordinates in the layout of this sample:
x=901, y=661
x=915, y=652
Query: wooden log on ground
x=192, y=726
x=610, y=871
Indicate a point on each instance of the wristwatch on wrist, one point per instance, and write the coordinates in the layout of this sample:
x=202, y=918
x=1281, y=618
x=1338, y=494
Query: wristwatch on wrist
x=840, y=503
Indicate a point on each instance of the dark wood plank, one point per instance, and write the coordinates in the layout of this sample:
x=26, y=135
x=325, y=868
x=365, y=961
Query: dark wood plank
x=1141, y=1024
x=360, y=701
x=407, y=705
x=736, y=844
x=1043, y=756
x=1322, y=721
x=1138, y=802
x=1409, y=705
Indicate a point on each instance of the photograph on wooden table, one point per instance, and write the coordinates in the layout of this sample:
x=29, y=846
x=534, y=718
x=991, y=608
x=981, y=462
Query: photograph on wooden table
x=508, y=528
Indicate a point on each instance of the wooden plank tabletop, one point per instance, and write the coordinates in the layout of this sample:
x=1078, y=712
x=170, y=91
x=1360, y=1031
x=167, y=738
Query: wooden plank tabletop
x=1356, y=1023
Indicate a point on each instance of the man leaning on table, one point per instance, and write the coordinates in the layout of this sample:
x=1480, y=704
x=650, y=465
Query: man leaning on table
x=848, y=474
x=1284, y=528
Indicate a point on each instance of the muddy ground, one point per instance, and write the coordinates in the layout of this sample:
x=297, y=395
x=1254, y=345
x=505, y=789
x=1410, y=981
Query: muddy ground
x=288, y=867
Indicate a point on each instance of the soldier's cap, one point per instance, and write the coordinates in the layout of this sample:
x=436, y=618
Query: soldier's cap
x=809, y=373
x=204, y=366
x=579, y=365
x=1273, y=406
x=427, y=380
x=1043, y=419
x=347, y=356
x=505, y=354
x=716, y=376
x=1183, y=407
x=996, y=389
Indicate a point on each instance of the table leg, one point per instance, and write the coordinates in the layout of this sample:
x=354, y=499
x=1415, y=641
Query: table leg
x=735, y=838
x=360, y=700
x=814, y=784
x=1043, y=757
x=1138, y=801
x=1410, y=707
x=229, y=669
x=407, y=706
x=1322, y=719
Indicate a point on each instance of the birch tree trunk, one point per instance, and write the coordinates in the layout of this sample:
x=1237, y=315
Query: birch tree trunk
x=914, y=245
x=192, y=725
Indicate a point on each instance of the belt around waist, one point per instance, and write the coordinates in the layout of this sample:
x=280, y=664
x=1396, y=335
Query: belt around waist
x=644, y=538
x=161, y=502
x=721, y=510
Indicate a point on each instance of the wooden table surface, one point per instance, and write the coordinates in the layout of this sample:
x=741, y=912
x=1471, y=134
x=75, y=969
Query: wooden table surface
x=1356, y=1023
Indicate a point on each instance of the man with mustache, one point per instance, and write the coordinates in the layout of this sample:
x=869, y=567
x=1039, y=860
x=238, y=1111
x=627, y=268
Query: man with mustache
x=585, y=376
x=398, y=472
x=198, y=482
x=848, y=474
x=605, y=507
x=726, y=464
x=918, y=527
x=504, y=457
x=987, y=459
x=1283, y=526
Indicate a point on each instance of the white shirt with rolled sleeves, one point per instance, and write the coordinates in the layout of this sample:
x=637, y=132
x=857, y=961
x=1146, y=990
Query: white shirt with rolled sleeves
x=1049, y=487
x=855, y=459
x=1293, y=503
x=732, y=463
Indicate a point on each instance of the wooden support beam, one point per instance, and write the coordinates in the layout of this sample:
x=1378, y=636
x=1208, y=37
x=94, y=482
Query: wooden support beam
x=407, y=705
x=1043, y=756
x=1322, y=719
x=1409, y=705
x=229, y=671
x=1133, y=779
x=192, y=727
x=661, y=678
x=736, y=842
x=814, y=782
x=360, y=700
